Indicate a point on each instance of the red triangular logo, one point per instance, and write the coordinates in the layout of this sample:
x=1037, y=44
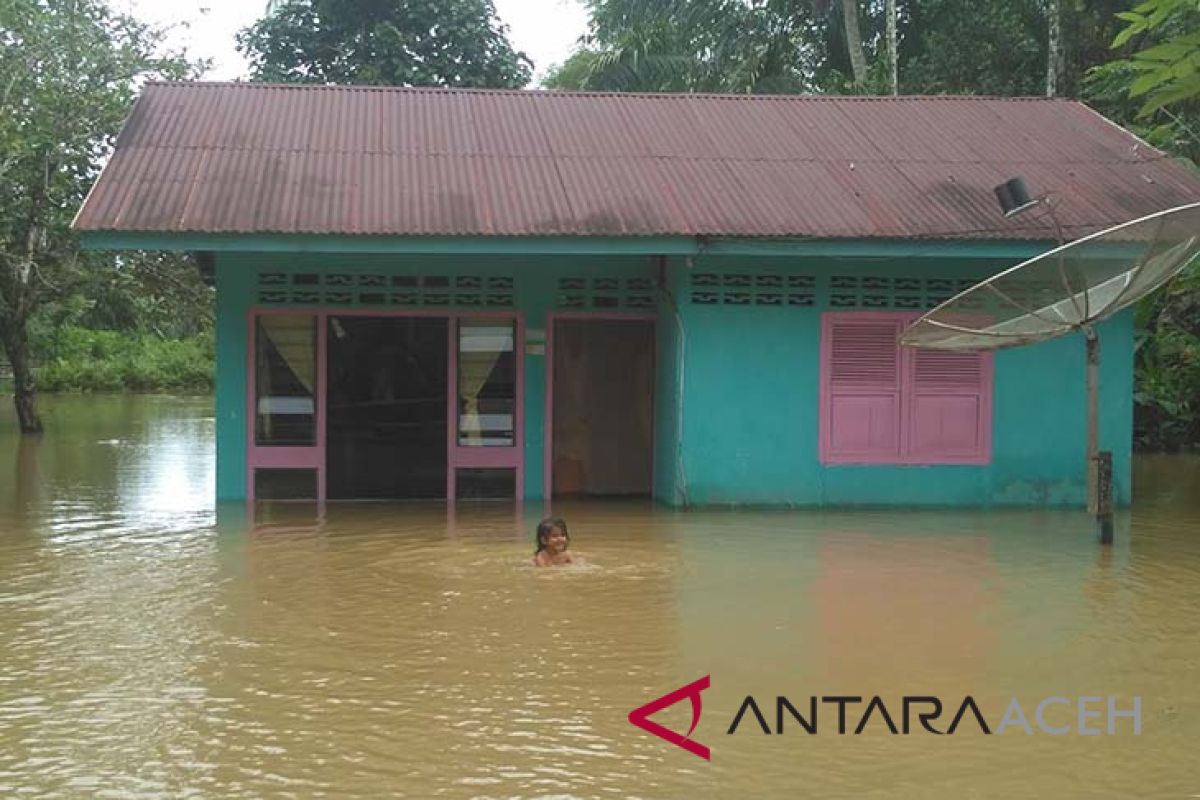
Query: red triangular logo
x=641, y=717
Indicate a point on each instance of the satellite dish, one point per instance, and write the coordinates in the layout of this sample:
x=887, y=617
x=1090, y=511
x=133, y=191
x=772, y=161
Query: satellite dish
x=1067, y=289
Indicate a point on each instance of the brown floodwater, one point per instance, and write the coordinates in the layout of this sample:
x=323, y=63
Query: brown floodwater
x=155, y=646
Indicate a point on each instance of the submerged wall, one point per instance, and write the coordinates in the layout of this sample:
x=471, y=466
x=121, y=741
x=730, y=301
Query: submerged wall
x=669, y=486
x=752, y=392
x=738, y=370
x=537, y=285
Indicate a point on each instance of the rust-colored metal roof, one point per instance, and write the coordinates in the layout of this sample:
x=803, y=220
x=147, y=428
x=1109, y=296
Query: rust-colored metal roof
x=254, y=158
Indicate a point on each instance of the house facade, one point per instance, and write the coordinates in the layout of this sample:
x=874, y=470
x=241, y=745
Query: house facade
x=431, y=294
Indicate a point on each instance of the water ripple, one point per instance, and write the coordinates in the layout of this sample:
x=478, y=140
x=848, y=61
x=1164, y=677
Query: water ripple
x=153, y=647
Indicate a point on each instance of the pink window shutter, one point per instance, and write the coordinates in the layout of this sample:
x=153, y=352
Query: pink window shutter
x=860, y=388
x=948, y=407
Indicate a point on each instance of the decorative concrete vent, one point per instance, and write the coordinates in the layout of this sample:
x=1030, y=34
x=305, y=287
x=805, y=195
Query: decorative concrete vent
x=605, y=294
x=382, y=291
x=736, y=289
x=870, y=292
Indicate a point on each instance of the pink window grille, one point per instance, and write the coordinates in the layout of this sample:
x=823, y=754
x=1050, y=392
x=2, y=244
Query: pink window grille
x=884, y=404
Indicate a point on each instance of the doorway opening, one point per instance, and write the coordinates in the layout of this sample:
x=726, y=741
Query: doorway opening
x=602, y=415
x=387, y=400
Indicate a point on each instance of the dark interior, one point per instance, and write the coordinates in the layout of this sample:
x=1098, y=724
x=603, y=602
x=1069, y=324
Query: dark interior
x=603, y=408
x=387, y=408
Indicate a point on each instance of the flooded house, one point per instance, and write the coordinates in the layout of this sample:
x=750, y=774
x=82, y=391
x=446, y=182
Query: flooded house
x=449, y=294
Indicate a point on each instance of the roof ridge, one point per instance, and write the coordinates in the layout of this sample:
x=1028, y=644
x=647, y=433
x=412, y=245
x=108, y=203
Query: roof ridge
x=873, y=159
x=556, y=93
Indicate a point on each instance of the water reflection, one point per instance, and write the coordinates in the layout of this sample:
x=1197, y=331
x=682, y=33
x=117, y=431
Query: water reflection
x=156, y=645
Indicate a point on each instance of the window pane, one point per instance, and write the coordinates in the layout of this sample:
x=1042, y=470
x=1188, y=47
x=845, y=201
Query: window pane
x=285, y=380
x=285, y=484
x=487, y=384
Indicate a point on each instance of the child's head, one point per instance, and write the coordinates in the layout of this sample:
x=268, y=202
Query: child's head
x=552, y=535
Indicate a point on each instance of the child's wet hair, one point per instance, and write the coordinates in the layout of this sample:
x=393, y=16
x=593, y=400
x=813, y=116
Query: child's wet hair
x=546, y=527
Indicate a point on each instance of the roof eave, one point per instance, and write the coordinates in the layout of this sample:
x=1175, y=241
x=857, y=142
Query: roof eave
x=562, y=245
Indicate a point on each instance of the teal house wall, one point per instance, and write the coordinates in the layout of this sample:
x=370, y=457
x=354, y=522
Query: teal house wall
x=737, y=380
x=750, y=431
x=537, y=289
x=669, y=392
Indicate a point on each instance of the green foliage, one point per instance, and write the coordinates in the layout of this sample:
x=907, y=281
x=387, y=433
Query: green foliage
x=696, y=46
x=1006, y=54
x=138, y=322
x=68, y=74
x=1154, y=92
x=82, y=360
x=385, y=42
x=946, y=46
x=160, y=293
x=1176, y=131
x=1167, y=398
x=1166, y=71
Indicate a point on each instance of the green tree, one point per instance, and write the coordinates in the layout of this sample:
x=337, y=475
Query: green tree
x=1155, y=90
x=854, y=41
x=68, y=70
x=988, y=47
x=155, y=293
x=1167, y=366
x=1169, y=69
x=385, y=42
x=942, y=46
x=1153, y=87
x=694, y=46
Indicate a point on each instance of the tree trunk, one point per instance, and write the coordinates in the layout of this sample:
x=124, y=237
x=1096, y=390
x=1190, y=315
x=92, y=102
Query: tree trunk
x=858, y=59
x=16, y=287
x=893, y=51
x=1054, y=46
x=16, y=343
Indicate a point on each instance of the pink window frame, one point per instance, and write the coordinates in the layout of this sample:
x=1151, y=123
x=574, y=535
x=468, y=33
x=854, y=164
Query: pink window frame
x=548, y=428
x=475, y=457
x=457, y=456
x=284, y=457
x=907, y=362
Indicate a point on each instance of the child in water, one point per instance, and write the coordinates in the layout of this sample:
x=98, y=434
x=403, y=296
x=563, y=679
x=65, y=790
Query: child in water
x=552, y=543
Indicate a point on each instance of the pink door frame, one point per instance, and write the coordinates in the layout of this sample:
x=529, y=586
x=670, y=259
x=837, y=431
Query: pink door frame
x=457, y=456
x=548, y=430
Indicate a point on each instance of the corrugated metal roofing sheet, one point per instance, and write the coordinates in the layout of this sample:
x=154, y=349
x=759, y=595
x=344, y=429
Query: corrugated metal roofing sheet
x=253, y=158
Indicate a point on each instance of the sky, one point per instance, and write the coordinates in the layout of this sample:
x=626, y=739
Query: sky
x=546, y=30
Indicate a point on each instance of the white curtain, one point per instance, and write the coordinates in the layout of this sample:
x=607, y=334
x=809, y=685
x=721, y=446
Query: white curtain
x=292, y=338
x=479, y=348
